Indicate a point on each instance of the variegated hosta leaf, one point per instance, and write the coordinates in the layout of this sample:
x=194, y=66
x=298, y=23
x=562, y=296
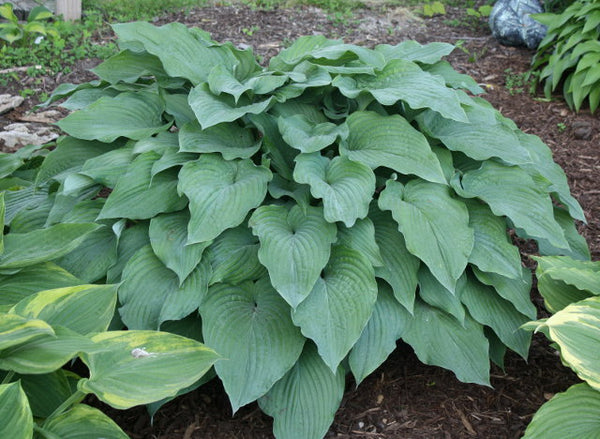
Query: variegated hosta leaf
x=492, y=252
x=339, y=306
x=182, y=54
x=576, y=330
x=571, y=414
x=150, y=293
x=168, y=237
x=346, y=187
x=84, y=308
x=584, y=275
x=233, y=257
x=32, y=279
x=221, y=193
x=378, y=339
x=231, y=140
x=439, y=339
x=399, y=267
x=488, y=308
x=434, y=224
x=303, y=403
x=129, y=368
x=44, y=354
x=83, y=421
x=390, y=141
x=510, y=191
x=301, y=239
x=43, y=245
x=15, y=329
x=403, y=80
x=307, y=136
x=139, y=195
x=250, y=326
x=134, y=115
x=16, y=420
x=361, y=237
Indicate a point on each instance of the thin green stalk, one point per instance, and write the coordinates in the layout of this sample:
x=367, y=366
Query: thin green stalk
x=9, y=376
x=44, y=433
x=71, y=400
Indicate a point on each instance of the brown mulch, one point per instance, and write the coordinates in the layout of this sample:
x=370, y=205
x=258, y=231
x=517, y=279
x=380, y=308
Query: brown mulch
x=403, y=398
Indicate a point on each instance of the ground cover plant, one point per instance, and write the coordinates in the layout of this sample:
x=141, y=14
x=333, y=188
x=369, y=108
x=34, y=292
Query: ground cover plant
x=267, y=112
x=571, y=291
x=568, y=58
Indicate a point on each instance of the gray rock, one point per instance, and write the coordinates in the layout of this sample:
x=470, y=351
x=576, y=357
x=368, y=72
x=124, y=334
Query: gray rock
x=512, y=25
x=9, y=102
x=21, y=134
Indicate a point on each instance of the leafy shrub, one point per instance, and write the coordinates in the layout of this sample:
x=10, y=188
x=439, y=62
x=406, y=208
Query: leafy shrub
x=569, y=55
x=571, y=290
x=13, y=30
x=298, y=219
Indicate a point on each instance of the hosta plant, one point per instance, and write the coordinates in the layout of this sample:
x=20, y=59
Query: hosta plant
x=571, y=290
x=298, y=219
x=568, y=57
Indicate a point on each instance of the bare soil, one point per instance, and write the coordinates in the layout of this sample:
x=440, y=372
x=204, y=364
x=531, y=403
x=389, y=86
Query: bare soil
x=403, y=398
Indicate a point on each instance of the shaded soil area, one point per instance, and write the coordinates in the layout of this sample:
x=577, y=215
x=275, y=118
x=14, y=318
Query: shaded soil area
x=403, y=398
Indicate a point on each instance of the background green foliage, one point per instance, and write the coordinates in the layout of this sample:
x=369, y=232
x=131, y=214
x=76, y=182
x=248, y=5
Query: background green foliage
x=568, y=58
x=299, y=219
x=571, y=290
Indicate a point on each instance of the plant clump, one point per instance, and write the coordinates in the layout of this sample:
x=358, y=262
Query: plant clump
x=297, y=219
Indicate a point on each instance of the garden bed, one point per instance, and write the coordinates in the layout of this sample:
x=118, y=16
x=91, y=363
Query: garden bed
x=403, y=398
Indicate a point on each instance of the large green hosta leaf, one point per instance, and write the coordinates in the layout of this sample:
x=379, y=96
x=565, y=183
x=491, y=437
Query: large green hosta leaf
x=307, y=136
x=510, y=191
x=571, y=414
x=361, y=237
x=26, y=249
x=346, y=187
x=339, y=306
x=302, y=239
x=168, y=237
x=139, y=195
x=180, y=51
x=492, y=251
x=303, y=403
x=128, y=66
x=16, y=420
x=221, y=193
x=378, y=339
x=434, y=224
x=233, y=257
x=83, y=422
x=403, y=80
x=439, y=339
x=250, y=326
x=133, y=115
x=390, y=141
x=129, y=368
x=48, y=391
x=411, y=50
x=150, y=293
x=231, y=140
x=480, y=138
x=399, y=267
x=576, y=330
x=84, y=309
x=432, y=292
x=488, y=308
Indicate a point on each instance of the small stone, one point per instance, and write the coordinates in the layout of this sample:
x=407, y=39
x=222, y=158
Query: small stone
x=21, y=134
x=582, y=130
x=9, y=102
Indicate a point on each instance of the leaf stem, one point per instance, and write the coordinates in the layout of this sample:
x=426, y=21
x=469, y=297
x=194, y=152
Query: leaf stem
x=9, y=376
x=45, y=433
x=71, y=400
